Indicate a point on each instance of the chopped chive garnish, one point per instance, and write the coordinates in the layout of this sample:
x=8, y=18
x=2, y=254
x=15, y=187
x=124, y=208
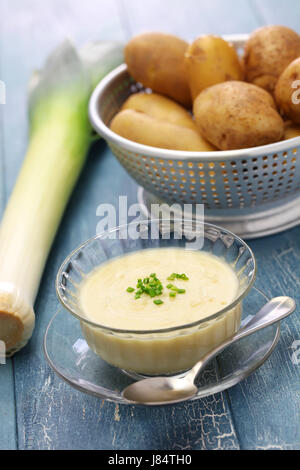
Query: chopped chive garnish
x=153, y=287
x=174, y=276
x=150, y=285
x=171, y=277
x=176, y=289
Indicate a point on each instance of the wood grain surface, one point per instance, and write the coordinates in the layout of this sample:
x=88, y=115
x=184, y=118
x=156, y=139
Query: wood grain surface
x=38, y=410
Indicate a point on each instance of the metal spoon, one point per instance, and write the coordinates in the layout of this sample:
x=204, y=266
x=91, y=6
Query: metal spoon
x=167, y=390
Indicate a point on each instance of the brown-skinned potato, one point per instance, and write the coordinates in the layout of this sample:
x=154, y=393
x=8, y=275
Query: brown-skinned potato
x=160, y=107
x=268, y=51
x=144, y=129
x=157, y=61
x=235, y=115
x=210, y=60
x=287, y=91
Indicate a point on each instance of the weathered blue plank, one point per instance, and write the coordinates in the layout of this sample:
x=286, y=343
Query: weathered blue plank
x=7, y=408
x=277, y=12
x=266, y=406
x=189, y=19
x=7, y=394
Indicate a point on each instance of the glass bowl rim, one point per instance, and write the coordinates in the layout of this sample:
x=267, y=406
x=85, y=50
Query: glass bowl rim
x=215, y=315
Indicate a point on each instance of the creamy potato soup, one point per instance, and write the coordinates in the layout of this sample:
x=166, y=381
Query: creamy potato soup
x=156, y=289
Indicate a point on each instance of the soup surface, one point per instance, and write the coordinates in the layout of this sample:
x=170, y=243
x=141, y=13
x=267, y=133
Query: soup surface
x=209, y=285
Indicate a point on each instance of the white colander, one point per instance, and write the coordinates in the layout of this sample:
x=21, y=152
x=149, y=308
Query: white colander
x=253, y=192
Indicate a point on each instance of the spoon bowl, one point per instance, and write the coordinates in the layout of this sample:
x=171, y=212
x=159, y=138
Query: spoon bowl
x=168, y=390
x=160, y=390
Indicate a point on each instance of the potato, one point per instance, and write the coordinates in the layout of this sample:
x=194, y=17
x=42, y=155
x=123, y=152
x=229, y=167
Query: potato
x=268, y=51
x=160, y=107
x=236, y=115
x=287, y=92
x=157, y=61
x=290, y=130
x=147, y=130
x=210, y=60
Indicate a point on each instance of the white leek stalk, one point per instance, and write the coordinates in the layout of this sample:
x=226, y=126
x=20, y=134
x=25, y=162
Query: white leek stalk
x=60, y=135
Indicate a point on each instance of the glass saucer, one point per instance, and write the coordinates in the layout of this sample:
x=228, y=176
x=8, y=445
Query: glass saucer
x=70, y=357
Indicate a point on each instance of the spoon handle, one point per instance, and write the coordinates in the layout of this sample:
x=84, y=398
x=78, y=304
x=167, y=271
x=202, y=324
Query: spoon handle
x=273, y=311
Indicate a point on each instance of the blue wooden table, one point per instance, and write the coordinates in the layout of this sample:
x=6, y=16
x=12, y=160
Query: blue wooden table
x=38, y=410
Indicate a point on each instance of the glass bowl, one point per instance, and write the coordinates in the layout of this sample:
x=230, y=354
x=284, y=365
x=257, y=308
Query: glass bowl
x=69, y=355
x=164, y=350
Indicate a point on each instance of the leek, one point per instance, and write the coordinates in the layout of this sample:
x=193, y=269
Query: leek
x=60, y=135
